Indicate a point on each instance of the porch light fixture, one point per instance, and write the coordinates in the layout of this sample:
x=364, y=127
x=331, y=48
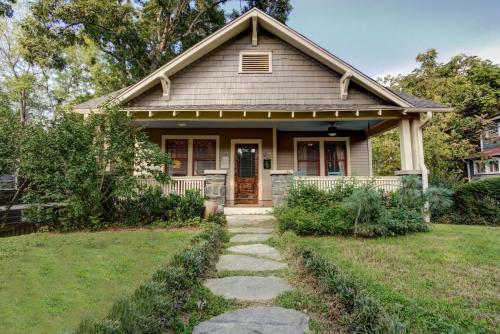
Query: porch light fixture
x=332, y=130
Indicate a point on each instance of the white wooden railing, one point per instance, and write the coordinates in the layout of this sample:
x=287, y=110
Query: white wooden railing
x=386, y=183
x=178, y=184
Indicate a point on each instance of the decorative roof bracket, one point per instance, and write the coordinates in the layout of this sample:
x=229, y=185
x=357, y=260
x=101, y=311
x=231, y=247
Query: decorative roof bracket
x=165, y=85
x=344, y=85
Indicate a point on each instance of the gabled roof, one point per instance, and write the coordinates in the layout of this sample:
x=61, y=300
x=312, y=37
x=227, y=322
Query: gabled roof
x=281, y=31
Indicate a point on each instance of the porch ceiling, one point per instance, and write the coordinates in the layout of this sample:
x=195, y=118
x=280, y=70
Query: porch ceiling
x=279, y=125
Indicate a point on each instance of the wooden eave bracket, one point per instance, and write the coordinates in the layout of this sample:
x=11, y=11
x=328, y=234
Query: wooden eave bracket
x=344, y=85
x=254, y=30
x=165, y=85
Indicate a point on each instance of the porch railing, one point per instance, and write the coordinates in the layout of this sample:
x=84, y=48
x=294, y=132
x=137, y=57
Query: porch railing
x=178, y=184
x=386, y=183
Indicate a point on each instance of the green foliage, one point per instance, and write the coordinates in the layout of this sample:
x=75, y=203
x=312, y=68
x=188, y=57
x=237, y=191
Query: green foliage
x=86, y=167
x=362, y=211
x=157, y=306
x=216, y=219
x=9, y=141
x=477, y=203
x=6, y=8
x=468, y=84
x=365, y=314
x=134, y=37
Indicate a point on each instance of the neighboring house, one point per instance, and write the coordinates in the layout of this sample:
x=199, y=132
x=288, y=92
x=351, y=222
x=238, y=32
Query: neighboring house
x=256, y=103
x=486, y=163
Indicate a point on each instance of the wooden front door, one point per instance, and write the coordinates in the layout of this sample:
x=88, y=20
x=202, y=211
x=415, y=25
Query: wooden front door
x=246, y=172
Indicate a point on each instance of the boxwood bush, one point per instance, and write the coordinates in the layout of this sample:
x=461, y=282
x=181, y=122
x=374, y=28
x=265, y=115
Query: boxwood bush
x=477, y=202
x=157, y=306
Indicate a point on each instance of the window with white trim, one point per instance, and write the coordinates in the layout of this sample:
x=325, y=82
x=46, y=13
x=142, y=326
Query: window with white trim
x=256, y=62
x=491, y=166
x=191, y=155
x=321, y=156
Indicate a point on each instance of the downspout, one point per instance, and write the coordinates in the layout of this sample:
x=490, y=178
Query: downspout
x=423, y=168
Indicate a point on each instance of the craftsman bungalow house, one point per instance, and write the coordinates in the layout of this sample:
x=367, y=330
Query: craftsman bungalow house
x=256, y=103
x=486, y=163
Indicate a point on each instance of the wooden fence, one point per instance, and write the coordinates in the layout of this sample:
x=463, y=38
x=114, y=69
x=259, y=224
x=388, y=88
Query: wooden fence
x=386, y=183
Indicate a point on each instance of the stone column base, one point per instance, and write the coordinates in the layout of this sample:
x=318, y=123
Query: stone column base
x=281, y=180
x=215, y=187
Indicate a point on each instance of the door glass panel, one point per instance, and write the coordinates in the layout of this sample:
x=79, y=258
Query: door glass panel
x=246, y=161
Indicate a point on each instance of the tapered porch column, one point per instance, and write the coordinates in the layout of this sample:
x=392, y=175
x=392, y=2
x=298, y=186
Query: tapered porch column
x=405, y=143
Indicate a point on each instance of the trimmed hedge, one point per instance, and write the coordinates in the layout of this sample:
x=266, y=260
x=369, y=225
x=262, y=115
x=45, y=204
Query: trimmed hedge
x=477, y=203
x=364, y=314
x=156, y=306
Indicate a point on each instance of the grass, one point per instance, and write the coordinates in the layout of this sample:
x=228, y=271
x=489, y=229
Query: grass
x=443, y=281
x=53, y=281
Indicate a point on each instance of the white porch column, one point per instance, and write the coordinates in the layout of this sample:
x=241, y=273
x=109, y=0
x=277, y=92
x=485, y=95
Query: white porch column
x=416, y=143
x=405, y=143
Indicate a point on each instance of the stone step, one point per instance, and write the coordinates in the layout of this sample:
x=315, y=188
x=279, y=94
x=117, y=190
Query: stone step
x=250, y=230
x=248, y=288
x=245, y=210
x=250, y=220
x=250, y=237
x=232, y=262
x=257, y=250
x=256, y=320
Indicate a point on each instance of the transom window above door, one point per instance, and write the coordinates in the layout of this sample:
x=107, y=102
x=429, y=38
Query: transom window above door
x=321, y=156
x=191, y=155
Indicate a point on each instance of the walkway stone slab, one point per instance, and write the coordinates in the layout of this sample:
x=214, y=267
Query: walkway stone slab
x=250, y=230
x=257, y=250
x=256, y=320
x=250, y=237
x=248, y=288
x=250, y=220
x=247, y=263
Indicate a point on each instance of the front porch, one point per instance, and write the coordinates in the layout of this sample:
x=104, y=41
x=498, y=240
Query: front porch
x=253, y=163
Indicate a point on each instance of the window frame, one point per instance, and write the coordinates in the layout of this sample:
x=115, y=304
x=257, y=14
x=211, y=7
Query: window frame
x=203, y=159
x=322, y=140
x=486, y=163
x=318, y=161
x=190, y=139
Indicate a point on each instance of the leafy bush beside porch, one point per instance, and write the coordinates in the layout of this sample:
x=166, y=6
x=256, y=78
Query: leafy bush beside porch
x=360, y=211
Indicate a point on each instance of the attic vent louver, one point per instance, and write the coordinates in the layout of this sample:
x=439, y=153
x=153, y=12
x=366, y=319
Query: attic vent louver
x=255, y=62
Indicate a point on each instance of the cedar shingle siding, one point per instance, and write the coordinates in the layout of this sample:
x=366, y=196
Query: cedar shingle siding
x=295, y=79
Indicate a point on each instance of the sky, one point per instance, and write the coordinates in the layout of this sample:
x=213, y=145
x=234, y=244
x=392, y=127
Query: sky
x=381, y=37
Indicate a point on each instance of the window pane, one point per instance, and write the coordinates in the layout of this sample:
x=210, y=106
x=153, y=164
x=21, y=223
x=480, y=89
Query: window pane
x=493, y=166
x=308, y=157
x=247, y=157
x=335, y=158
x=203, y=155
x=178, y=150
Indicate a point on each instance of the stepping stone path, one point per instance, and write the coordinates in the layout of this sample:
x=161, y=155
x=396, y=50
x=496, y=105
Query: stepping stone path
x=259, y=258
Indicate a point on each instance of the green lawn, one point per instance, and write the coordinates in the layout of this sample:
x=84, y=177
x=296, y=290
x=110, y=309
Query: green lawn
x=435, y=281
x=50, y=282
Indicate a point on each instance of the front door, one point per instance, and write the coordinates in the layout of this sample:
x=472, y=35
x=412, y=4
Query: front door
x=246, y=174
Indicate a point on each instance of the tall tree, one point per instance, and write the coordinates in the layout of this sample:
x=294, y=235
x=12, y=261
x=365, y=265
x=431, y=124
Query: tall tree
x=135, y=36
x=279, y=9
x=468, y=84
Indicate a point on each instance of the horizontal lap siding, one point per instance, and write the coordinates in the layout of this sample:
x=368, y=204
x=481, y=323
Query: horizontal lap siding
x=360, y=162
x=214, y=79
x=225, y=136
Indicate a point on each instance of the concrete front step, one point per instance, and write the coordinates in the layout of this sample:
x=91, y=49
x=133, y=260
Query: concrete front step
x=250, y=230
x=232, y=262
x=256, y=320
x=248, y=288
x=250, y=237
x=256, y=250
x=238, y=210
x=250, y=220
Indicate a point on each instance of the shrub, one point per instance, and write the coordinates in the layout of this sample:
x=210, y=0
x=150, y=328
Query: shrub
x=477, y=202
x=157, y=306
x=365, y=314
